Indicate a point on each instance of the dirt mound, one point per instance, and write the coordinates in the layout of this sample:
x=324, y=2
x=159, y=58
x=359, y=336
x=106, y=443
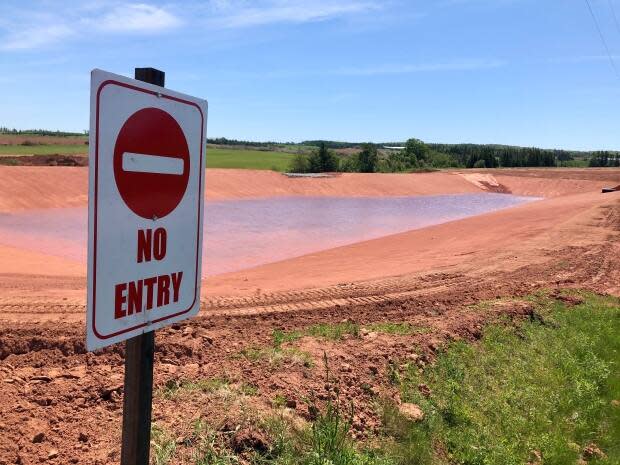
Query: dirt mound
x=541, y=182
x=486, y=182
x=45, y=160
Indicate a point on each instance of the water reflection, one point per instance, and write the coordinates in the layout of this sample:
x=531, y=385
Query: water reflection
x=243, y=233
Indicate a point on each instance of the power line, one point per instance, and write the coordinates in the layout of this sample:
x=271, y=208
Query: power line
x=613, y=11
x=600, y=33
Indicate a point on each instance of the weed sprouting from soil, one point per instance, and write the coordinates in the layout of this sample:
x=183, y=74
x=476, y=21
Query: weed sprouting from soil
x=209, y=447
x=329, y=331
x=279, y=401
x=248, y=389
x=163, y=445
x=334, y=332
x=329, y=439
x=337, y=331
x=175, y=387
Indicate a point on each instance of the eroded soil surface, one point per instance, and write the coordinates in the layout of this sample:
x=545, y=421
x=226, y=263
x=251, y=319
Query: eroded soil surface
x=59, y=404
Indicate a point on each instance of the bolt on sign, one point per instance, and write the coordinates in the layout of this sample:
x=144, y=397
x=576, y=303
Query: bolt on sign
x=146, y=186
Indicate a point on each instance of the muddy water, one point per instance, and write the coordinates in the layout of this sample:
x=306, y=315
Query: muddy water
x=241, y=234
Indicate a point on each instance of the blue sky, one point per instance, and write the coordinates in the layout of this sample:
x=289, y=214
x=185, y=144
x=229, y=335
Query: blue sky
x=524, y=72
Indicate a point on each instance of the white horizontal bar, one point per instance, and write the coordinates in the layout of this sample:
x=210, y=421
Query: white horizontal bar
x=142, y=163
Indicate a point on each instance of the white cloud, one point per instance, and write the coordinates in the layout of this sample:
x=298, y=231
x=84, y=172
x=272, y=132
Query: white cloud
x=138, y=17
x=24, y=31
x=35, y=37
x=20, y=30
x=43, y=29
x=238, y=15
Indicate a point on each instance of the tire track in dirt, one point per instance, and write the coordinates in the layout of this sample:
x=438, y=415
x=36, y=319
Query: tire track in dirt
x=343, y=294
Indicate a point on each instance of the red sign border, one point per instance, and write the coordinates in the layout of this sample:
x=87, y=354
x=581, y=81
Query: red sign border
x=160, y=94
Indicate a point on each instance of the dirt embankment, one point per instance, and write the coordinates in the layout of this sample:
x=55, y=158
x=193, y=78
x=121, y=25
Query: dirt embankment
x=35, y=187
x=61, y=405
x=239, y=184
x=30, y=187
x=44, y=160
x=547, y=182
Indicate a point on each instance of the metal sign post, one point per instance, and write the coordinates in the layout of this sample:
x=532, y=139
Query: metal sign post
x=139, y=355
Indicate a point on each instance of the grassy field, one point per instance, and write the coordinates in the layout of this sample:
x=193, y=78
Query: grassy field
x=216, y=157
x=247, y=159
x=72, y=149
x=546, y=392
x=541, y=391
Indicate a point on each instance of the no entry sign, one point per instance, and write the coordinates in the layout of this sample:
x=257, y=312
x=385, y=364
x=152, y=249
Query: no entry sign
x=146, y=184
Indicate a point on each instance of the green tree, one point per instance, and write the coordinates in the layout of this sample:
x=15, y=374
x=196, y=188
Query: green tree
x=416, y=152
x=299, y=164
x=323, y=160
x=349, y=164
x=368, y=159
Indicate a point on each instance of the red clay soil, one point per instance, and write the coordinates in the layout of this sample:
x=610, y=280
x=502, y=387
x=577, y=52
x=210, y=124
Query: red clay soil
x=61, y=405
x=44, y=160
x=34, y=187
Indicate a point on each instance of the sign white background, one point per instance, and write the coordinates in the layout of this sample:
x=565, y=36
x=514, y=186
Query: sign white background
x=112, y=245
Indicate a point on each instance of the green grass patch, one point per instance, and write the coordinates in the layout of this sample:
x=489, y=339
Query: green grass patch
x=163, y=446
x=334, y=332
x=43, y=149
x=276, y=356
x=544, y=388
x=174, y=388
x=329, y=331
x=337, y=331
x=279, y=401
x=209, y=448
x=248, y=159
x=248, y=389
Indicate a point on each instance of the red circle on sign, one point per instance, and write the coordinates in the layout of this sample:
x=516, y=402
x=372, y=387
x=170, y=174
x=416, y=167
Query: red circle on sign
x=151, y=163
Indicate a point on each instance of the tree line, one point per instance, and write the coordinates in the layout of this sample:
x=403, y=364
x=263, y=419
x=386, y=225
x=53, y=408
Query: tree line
x=39, y=132
x=494, y=156
x=245, y=143
x=416, y=155
x=605, y=159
